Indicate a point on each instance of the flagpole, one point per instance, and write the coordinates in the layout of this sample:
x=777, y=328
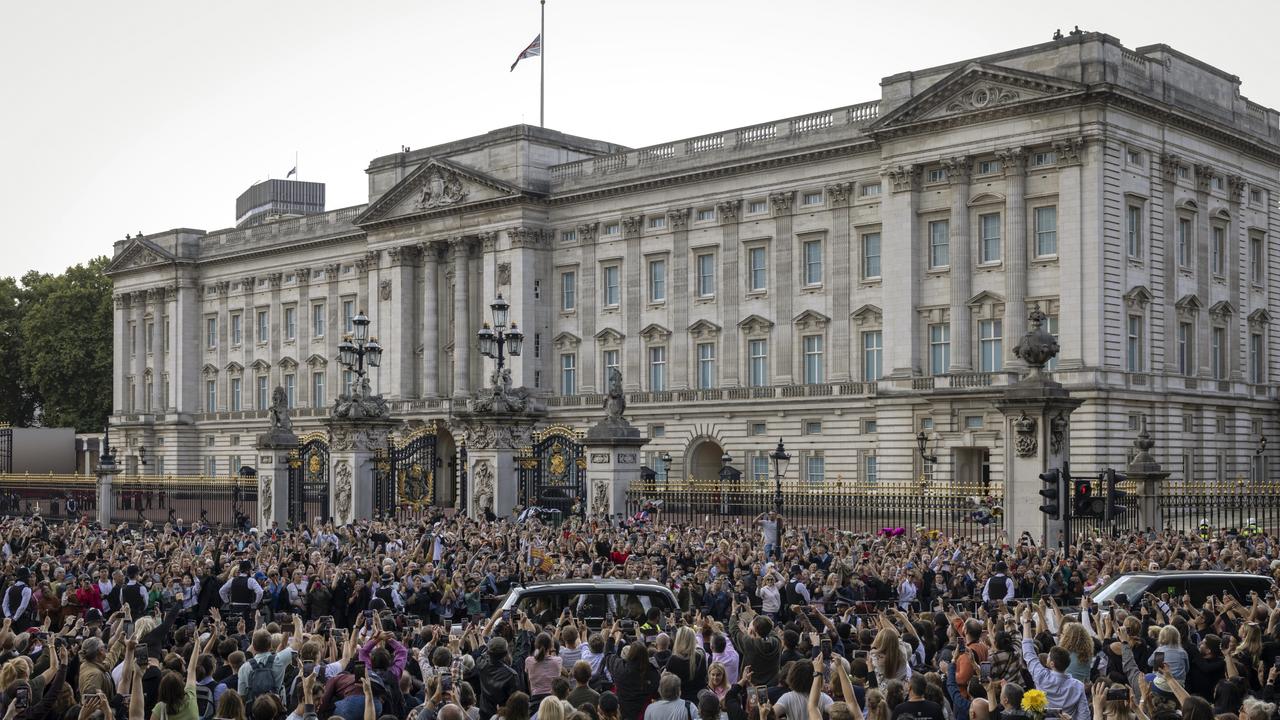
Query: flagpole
x=542, y=71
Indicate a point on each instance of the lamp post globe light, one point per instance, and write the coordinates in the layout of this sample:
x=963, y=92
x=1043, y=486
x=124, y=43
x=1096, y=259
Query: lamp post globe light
x=358, y=352
x=664, y=465
x=498, y=341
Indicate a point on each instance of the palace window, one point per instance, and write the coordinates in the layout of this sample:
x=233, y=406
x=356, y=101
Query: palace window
x=871, y=256
x=939, y=244
x=657, y=280
x=872, y=355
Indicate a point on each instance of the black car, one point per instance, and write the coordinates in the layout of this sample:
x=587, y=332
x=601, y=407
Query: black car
x=593, y=600
x=1173, y=584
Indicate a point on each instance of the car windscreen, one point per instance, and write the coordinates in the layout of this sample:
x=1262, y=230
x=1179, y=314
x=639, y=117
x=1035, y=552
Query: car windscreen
x=546, y=606
x=1132, y=585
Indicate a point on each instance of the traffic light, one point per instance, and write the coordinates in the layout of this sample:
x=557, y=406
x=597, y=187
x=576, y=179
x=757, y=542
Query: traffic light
x=1052, y=494
x=1115, y=496
x=1083, y=502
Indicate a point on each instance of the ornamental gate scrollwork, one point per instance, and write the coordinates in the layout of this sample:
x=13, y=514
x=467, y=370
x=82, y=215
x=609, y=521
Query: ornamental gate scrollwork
x=553, y=471
x=405, y=473
x=309, y=480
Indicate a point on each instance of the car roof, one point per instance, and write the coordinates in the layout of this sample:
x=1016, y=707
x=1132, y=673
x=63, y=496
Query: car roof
x=590, y=584
x=1191, y=574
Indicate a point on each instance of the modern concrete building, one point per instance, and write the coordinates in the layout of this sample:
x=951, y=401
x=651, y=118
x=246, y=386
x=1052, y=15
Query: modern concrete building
x=843, y=280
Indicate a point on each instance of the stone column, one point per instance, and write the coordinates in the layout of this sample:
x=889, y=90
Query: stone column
x=430, y=253
x=275, y=332
x=634, y=297
x=158, y=298
x=783, y=280
x=587, y=306
x=273, y=478
x=1146, y=474
x=335, y=329
x=1237, y=253
x=353, y=442
x=1203, y=272
x=961, y=275
x=459, y=251
x=302, y=342
x=843, y=270
x=901, y=271
x=1014, y=164
x=137, y=403
x=399, y=336
x=1037, y=434
x=120, y=351
x=1072, y=265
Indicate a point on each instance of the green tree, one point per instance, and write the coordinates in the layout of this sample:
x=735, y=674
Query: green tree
x=18, y=401
x=65, y=335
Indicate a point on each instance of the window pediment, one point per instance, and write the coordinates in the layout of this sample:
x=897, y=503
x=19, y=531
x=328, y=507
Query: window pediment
x=811, y=320
x=655, y=333
x=566, y=341
x=235, y=368
x=868, y=314
x=317, y=360
x=1137, y=298
x=609, y=337
x=209, y=371
x=755, y=325
x=704, y=329
x=1259, y=318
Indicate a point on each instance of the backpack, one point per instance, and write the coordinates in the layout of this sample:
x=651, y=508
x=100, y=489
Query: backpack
x=205, y=706
x=262, y=679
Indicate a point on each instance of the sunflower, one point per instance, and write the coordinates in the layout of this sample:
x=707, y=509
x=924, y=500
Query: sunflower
x=1034, y=701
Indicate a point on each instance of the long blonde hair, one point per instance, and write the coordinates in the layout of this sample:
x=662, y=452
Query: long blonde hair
x=686, y=643
x=550, y=709
x=888, y=646
x=877, y=708
x=13, y=671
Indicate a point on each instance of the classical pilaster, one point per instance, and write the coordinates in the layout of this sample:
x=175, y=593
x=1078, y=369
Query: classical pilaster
x=167, y=350
x=588, y=304
x=275, y=336
x=783, y=281
x=730, y=292
x=1204, y=273
x=459, y=254
x=430, y=253
x=840, y=279
x=1014, y=164
x=302, y=341
x=901, y=271
x=1071, y=260
x=633, y=300
x=248, y=338
x=221, y=357
x=678, y=297
x=334, y=330
x=399, y=335
x=961, y=274
x=1237, y=249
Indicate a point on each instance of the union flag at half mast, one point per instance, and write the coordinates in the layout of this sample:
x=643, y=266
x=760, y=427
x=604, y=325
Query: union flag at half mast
x=534, y=50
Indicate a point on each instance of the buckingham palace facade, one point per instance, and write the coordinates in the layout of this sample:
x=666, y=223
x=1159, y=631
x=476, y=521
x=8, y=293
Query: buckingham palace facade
x=843, y=280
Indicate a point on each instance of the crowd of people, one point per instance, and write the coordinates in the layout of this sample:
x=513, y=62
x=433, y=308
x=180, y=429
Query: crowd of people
x=405, y=620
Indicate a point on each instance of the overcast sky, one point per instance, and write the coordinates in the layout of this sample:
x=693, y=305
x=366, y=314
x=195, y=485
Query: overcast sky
x=153, y=114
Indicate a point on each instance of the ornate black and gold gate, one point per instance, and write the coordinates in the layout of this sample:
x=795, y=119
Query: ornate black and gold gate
x=553, y=471
x=309, y=480
x=406, y=473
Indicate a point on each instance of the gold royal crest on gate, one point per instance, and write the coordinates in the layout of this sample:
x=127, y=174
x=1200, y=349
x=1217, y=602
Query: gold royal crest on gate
x=557, y=464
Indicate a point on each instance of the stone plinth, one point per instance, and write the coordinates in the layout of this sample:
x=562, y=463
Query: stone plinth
x=273, y=479
x=106, y=501
x=613, y=464
x=493, y=441
x=1147, y=475
x=352, y=444
x=1037, y=414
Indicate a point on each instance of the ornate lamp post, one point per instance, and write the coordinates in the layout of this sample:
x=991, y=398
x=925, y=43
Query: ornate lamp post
x=922, y=444
x=780, y=459
x=664, y=465
x=358, y=351
x=498, y=341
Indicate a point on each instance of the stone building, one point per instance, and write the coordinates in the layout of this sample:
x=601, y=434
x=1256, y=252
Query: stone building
x=843, y=280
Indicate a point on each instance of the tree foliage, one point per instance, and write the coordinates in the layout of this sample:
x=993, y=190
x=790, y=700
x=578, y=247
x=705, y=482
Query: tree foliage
x=55, y=335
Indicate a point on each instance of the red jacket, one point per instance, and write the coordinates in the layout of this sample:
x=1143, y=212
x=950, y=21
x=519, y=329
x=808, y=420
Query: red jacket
x=90, y=597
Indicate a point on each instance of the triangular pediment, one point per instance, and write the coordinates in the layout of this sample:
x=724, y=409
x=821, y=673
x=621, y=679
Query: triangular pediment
x=810, y=320
x=235, y=367
x=436, y=186
x=1137, y=297
x=755, y=325
x=1259, y=317
x=985, y=297
x=704, y=329
x=567, y=341
x=260, y=365
x=317, y=360
x=609, y=337
x=976, y=88
x=209, y=370
x=654, y=332
x=288, y=362
x=1188, y=303
x=1222, y=308
x=868, y=313
x=139, y=253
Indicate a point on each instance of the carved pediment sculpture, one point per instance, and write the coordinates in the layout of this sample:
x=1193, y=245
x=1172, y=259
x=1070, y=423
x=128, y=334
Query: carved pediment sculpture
x=441, y=187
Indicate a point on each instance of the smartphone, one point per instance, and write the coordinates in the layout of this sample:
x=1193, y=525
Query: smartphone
x=357, y=670
x=22, y=697
x=826, y=648
x=506, y=615
x=1157, y=660
x=446, y=682
x=1118, y=693
x=141, y=655
x=336, y=634
x=985, y=671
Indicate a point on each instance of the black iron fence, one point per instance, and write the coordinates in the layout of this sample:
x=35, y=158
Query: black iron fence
x=955, y=510
x=214, y=500
x=1221, y=505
